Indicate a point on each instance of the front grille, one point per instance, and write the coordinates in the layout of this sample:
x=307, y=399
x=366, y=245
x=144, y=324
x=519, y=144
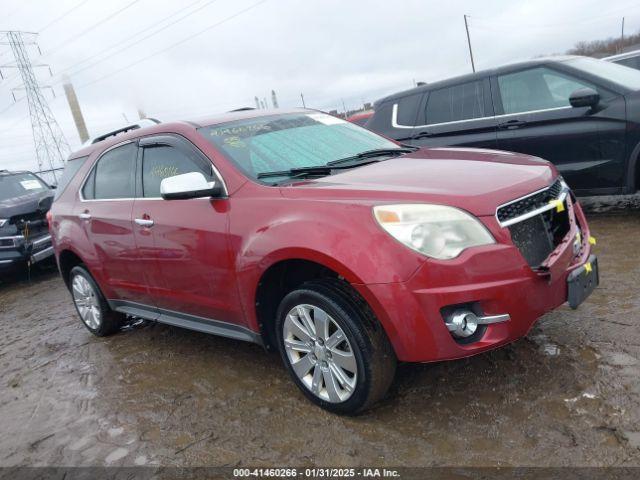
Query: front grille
x=6, y=243
x=530, y=203
x=34, y=223
x=538, y=236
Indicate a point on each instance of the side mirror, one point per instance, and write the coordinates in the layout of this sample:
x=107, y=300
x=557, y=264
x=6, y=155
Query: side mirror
x=189, y=185
x=584, y=97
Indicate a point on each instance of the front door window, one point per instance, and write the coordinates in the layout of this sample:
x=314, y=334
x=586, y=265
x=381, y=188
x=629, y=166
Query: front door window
x=538, y=88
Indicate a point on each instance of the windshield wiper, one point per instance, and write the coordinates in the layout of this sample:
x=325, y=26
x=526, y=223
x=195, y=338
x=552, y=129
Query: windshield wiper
x=378, y=152
x=318, y=170
x=340, y=164
x=298, y=172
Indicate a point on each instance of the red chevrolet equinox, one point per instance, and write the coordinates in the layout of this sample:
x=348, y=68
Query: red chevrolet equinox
x=299, y=231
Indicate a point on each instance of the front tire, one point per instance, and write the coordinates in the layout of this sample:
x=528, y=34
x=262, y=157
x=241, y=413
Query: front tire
x=333, y=347
x=91, y=305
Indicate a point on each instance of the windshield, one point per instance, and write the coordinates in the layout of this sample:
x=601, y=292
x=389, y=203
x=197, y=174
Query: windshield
x=618, y=74
x=16, y=185
x=297, y=140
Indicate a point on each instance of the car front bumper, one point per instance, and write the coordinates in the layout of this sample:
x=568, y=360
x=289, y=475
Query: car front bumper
x=496, y=278
x=17, y=251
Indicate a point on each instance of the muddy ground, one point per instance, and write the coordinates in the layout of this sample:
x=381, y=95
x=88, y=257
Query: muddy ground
x=568, y=394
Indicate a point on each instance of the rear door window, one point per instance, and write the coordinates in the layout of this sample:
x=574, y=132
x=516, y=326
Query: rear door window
x=163, y=161
x=113, y=176
x=459, y=102
x=537, y=88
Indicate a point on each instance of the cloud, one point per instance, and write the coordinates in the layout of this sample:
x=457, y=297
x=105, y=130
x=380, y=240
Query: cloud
x=332, y=51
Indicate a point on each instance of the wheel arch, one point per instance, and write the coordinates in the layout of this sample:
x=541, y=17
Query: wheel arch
x=67, y=259
x=284, y=275
x=633, y=170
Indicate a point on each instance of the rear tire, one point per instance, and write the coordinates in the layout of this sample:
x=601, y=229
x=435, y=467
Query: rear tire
x=333, y=347
x=92, y=308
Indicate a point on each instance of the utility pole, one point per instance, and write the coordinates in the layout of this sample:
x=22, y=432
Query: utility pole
x=622, y=35
x=344, y=108
x=274, y=99
x=50, y=144
x=257, y=102
x=302, y=97
x=466, y=26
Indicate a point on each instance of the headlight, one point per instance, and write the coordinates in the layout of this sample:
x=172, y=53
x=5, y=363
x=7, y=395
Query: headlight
x=434, y=230
x=3, y=222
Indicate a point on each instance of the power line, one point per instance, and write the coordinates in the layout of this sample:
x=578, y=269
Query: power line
x=15, y=124
x=57, y=19
x=104, y=77
x=126, y=40
x=93, y=27
x=8, y=107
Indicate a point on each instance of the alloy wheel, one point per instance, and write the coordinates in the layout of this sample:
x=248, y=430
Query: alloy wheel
x=320, y=353
x=86, y=301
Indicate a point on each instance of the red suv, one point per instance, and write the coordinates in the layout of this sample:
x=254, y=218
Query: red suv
x=303, y=232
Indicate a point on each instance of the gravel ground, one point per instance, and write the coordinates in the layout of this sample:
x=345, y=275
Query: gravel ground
x=568, y=394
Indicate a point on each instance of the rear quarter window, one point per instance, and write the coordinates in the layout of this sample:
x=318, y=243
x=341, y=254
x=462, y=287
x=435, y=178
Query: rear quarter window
x=70, y=170
x=112, y=176
x=408, y=109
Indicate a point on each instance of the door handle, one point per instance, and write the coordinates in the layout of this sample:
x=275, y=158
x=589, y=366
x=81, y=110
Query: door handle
x=512, y=124
x=144, y=222
x=85, y=216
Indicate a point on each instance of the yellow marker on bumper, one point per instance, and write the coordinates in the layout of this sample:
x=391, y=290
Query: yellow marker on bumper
x=592, y=240
x=587, y=267
x=559, y=204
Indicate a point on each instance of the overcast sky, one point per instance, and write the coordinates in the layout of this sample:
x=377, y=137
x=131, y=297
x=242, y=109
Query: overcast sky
x=184, y=59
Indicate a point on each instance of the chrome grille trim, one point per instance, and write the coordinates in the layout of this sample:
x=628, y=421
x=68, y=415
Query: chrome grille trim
x=562, y=197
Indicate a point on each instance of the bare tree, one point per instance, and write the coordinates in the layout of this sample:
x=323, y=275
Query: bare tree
x=602, y=48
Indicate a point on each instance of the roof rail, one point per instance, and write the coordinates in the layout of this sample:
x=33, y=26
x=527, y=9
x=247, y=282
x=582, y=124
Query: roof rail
x=145, y=122
x=242, y=109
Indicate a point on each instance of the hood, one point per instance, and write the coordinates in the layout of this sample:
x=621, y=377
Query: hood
x=25, y=204
x=471, y=179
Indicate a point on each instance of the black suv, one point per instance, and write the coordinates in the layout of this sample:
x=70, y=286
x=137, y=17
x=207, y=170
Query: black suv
x=580, y=113
x=25, y=200
x=628, y=59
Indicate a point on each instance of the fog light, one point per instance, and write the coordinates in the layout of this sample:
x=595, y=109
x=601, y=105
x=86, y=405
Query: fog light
x=462, y=323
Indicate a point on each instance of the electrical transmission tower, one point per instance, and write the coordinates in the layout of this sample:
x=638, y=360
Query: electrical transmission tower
x=50, y=144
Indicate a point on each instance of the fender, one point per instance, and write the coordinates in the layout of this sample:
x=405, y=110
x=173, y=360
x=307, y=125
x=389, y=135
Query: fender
x=324, y=237
x=248, y=286
x=69, y=236
x=633, y=170
x=299, y=253
x=69, y=248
